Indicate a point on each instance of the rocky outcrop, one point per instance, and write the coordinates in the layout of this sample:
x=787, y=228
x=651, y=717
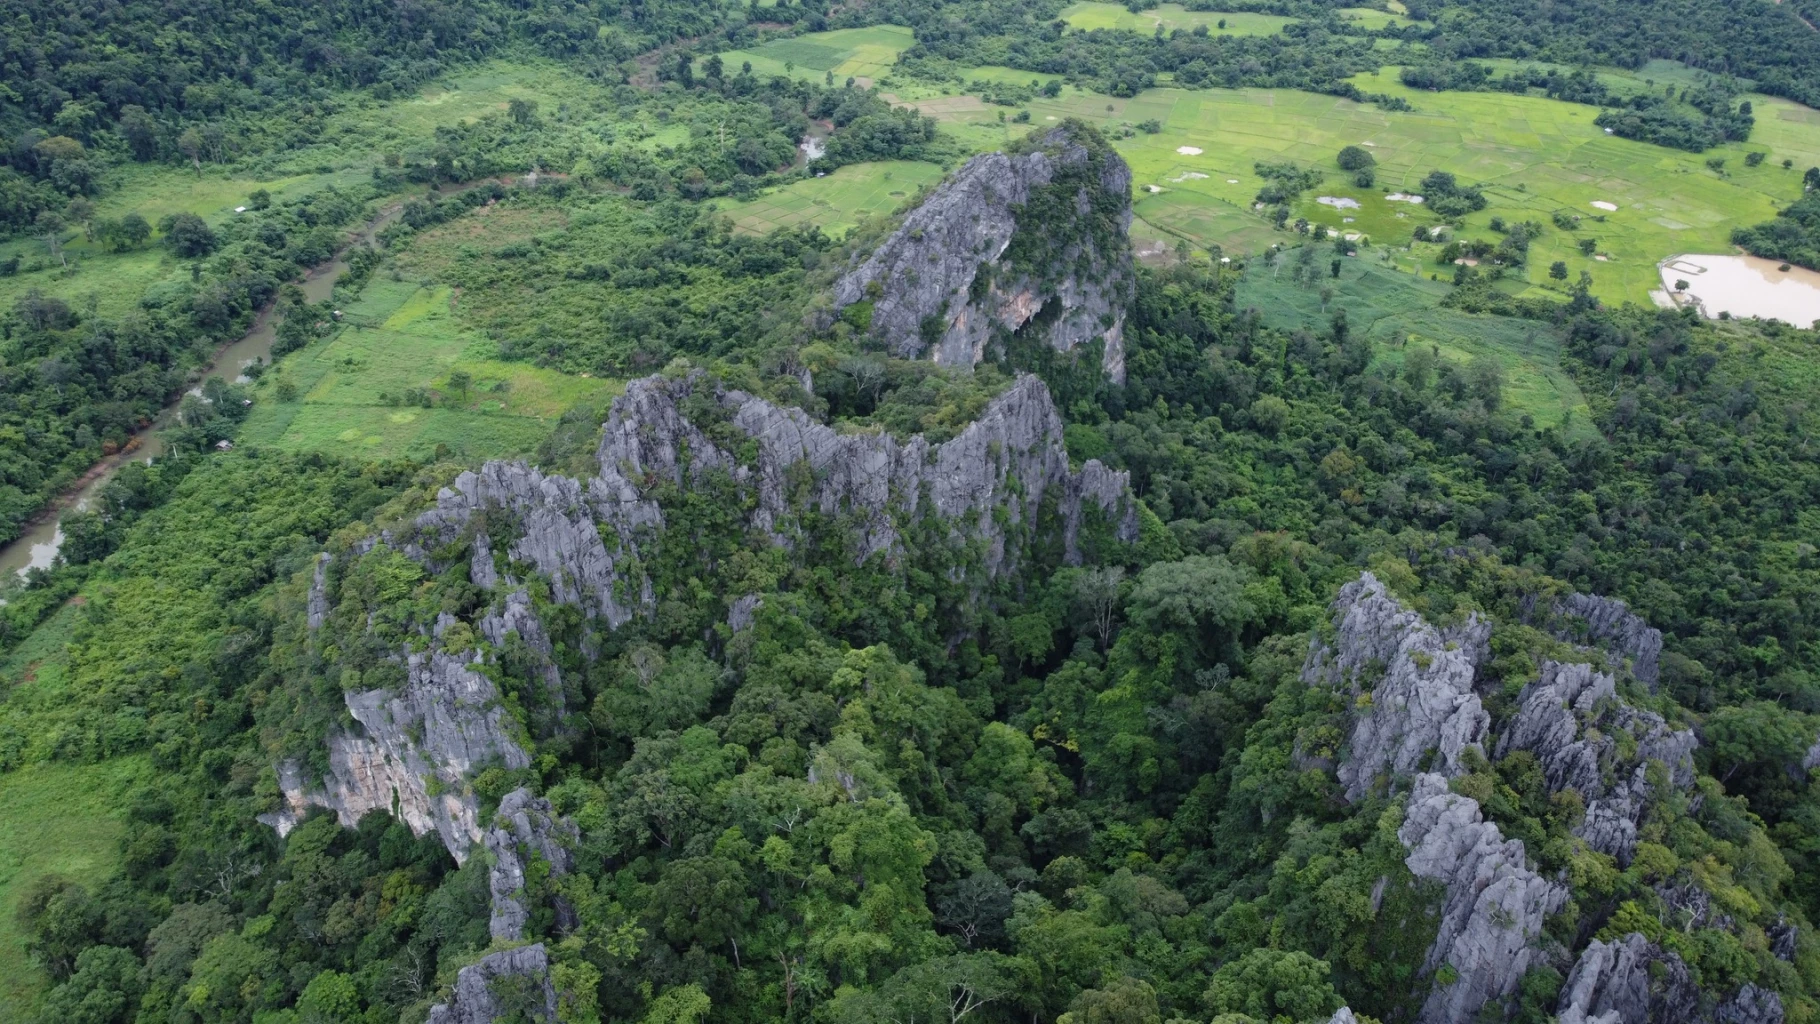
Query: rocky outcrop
x=1631, y=980
x=987, y=483
x=318, y=610
x=1422, y=713
x=515, y=617
x=1570, y=718
x=525, y=829
x=500, y=983
x=1610, y=624
x=415, y=748
x=968, y=263
x=413, y=753
x=1417, y=721
x=1494, y=906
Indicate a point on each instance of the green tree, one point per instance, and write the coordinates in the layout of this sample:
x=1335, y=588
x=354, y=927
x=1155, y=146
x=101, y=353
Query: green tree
x=1558, y=270
x=50, y=227
x=1123, y=1000
x=187, y=235
x=1270, y=984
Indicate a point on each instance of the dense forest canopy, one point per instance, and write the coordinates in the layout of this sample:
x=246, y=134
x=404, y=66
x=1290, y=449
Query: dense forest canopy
x=790, y=680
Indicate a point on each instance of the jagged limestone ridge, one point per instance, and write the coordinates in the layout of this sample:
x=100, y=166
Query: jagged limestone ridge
x=937, y=284
x=416, y=748
x=1569, y=718
x=472, y=1000
x=1631, y=980
x=526, y=827
x=1423, y=713
x=1006, y=461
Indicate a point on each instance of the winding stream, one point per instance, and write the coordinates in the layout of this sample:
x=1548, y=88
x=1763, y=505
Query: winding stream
x=36, y=547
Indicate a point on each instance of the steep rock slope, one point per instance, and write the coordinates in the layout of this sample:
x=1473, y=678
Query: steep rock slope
x=417, y=744
x=1032, y=241
x=1419, y=722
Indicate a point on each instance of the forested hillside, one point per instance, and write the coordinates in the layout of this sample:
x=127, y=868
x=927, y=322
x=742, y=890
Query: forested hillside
x=705, y=540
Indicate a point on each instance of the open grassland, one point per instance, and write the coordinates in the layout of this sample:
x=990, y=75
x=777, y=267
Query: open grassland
x=356, y=139
x=1089, y=15
x=1398, y=311
x=401, y=339
x=1533, y=157
x=114, y=281
x=838, y=202
x=1371, y=20
x=63, y=820
x=55, y=820
x=862, y=53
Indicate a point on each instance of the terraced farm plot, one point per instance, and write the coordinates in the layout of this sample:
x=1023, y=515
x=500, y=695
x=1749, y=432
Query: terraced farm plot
x=401, y=338
x=1397, y=311
x=1089, y=15
x=862, y=53
x=838, y=202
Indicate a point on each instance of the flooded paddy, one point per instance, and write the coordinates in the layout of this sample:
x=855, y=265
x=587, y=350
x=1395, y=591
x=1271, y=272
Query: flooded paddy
x=1744, y=286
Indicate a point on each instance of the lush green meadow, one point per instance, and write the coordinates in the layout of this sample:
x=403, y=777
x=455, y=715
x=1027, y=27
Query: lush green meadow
x=1093, y=14
x=1398, y=310
x=116, y=280
x=1534, y=156
x=356, y=393
x=61, y=820
x=863, y=53
x=839, y=201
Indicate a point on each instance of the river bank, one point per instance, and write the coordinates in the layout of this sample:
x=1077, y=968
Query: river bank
x=37, y=545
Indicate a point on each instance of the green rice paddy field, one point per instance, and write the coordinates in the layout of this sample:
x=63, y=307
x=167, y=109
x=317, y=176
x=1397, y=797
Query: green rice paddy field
x=1397, y=310
x=1532, y=156
x=403, y=336
x=863, y=53
x=838, y=202
x=1092, y=14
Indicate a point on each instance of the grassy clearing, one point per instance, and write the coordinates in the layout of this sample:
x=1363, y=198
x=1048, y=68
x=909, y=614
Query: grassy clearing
x=402, y=336
x=1534, y=156
x=63, y=820
x=1398, y=310
x=838, y=202
x=863, y=53
x=116, y=280
x=1372, y=20
x=1091, y=14
x=361, y=135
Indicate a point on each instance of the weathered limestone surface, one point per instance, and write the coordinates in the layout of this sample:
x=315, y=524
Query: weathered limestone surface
x=1009, y=459
x=525, y=828
x=1570, y=718
x=473, y=1000
x=944, y=261
x=1609, y=623
x=1495, y=904
x=1634, y=981
x=441, y=724
x=1419, y=722
x=1423, y=712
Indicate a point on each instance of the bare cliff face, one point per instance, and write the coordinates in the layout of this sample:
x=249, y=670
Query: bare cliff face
x=416, y=746
x=1419, y=721
x=1031, y=241
x=986, y=483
